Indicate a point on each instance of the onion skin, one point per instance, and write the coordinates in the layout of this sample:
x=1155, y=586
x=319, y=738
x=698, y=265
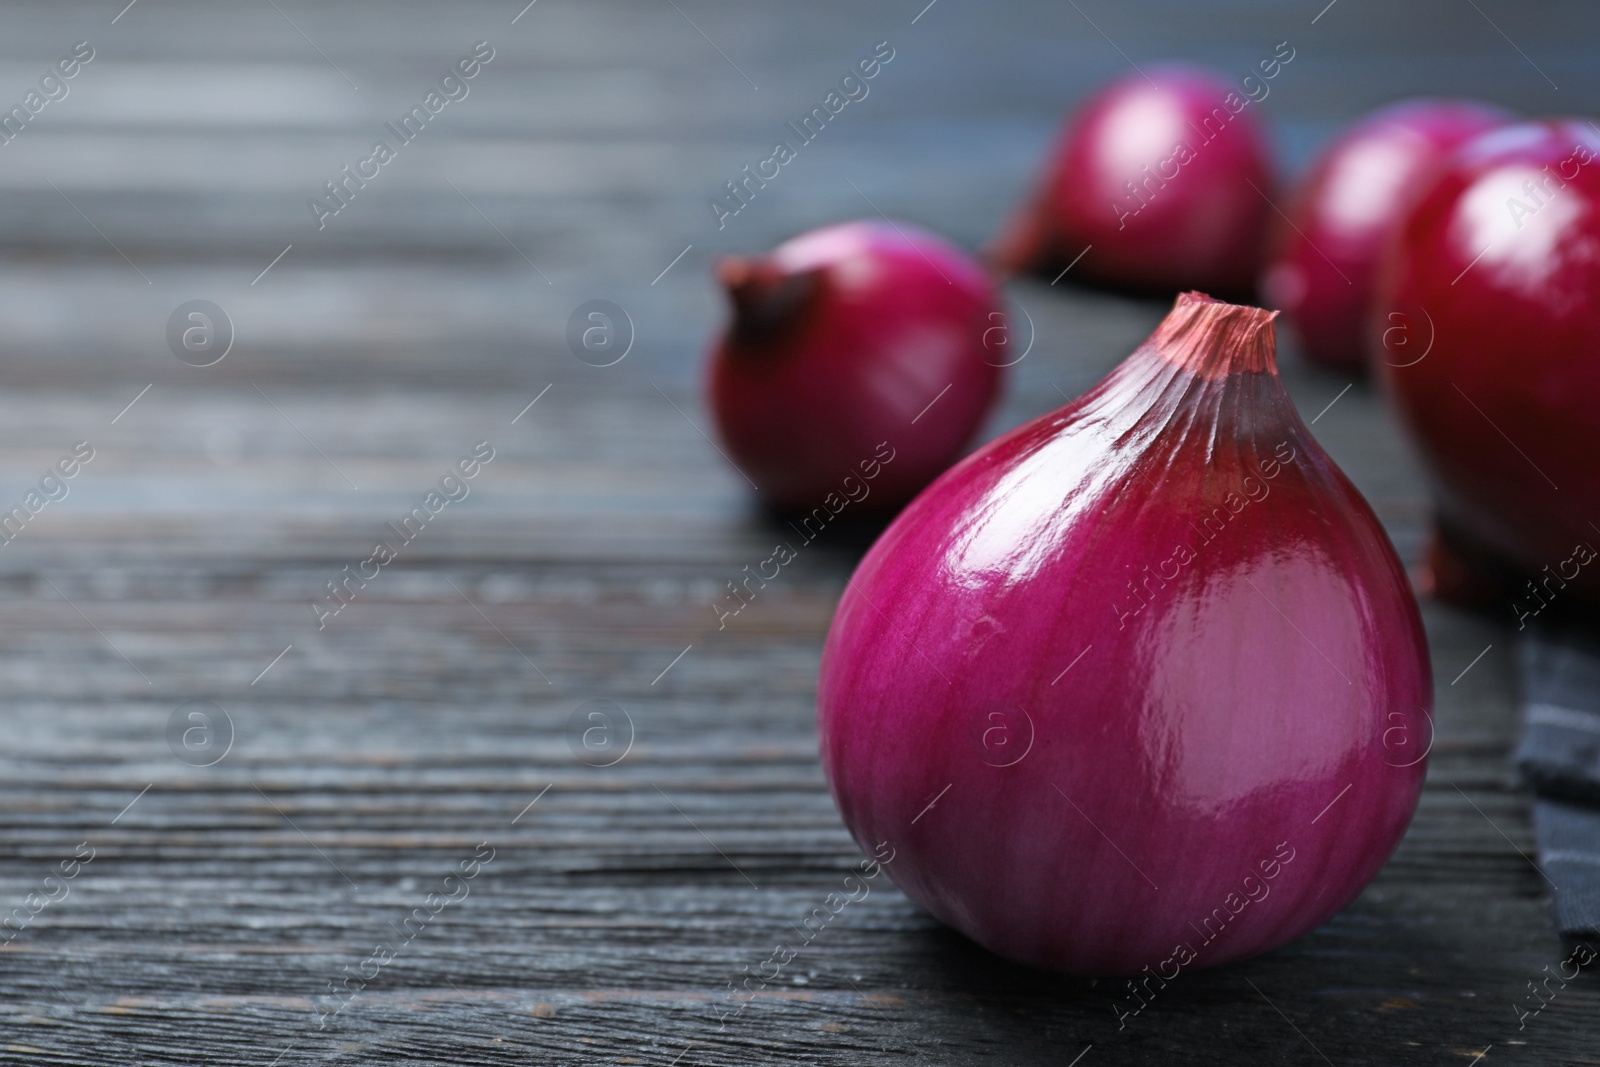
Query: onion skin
x=1196, y=221
x=1505, y=404
x=1348, y=210
x=1197, y=739
x=841, y=339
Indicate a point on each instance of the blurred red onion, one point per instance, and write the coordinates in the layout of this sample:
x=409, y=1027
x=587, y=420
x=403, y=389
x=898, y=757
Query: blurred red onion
x=1163, y=178
x=845, y=338
x=1487, y=323
x=1348, y=210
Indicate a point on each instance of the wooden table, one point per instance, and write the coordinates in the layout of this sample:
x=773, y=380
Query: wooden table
x=439, y=715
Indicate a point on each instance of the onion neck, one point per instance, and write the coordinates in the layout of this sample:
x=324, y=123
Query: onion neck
x=1212, y=339
x=770, y=304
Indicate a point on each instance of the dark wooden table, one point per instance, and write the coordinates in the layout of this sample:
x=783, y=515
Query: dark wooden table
x=436, y=720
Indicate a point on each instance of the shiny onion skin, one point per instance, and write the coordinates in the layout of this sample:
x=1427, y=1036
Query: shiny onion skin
x=1499, y=381
x=1106, y=770
x=841, y=340
x=1155, y=219
x=1347, y=211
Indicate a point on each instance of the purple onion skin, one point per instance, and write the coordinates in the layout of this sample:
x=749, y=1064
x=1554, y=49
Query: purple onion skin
x=1272, y=698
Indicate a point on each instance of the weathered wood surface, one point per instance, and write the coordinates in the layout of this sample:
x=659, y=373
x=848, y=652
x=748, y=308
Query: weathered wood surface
x=377, y=753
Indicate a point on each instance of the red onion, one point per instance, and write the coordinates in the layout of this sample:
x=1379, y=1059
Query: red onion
x=845, y=338
x=1155, y=176
x=1494, y=287
x=1349, y=208
x=1139, y=684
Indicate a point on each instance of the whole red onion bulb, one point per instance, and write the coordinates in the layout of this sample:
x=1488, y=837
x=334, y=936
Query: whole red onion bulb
x=1347, y=211
x=848, y=343
x=1163, y=179
x=1139, y=684
x=1487, y=323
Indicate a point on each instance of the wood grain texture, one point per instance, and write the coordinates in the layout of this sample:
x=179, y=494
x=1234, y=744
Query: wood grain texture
x=370, y=757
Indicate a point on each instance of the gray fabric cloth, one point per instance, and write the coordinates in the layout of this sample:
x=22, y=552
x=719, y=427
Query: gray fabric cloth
x=1559, y=757
x=1569, y=853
